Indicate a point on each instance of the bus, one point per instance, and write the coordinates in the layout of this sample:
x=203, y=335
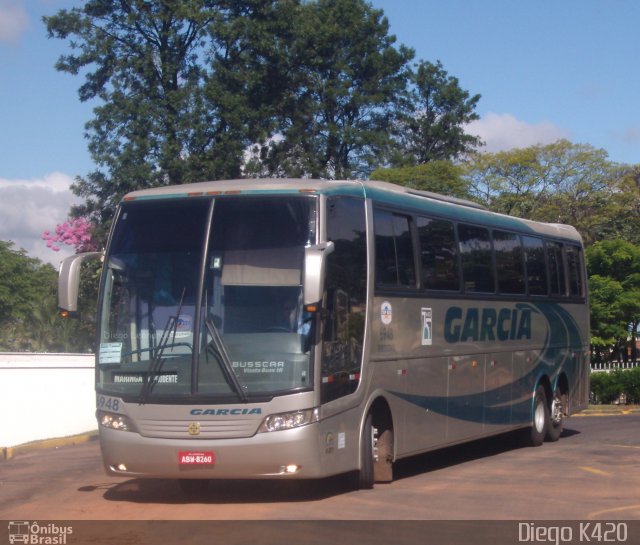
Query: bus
x=298, y=329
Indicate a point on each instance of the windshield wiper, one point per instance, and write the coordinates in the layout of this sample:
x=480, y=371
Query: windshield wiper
x=157, y=360
x=224, y=360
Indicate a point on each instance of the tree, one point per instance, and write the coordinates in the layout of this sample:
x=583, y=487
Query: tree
x=614, y=288
x=343, y=81
x=28, y=310
x=23, y=281
x=625, y=203
x=179, y=85
x=76, y=232
x=561, y=182
x=432, y=125
x=438, y=176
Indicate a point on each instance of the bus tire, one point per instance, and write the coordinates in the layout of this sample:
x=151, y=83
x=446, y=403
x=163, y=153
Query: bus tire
x=556, y=423
x=366, y=478
x=536, y=434
x=383, y=458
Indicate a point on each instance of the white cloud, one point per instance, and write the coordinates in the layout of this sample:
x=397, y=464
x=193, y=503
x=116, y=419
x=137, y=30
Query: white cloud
x=503, y=132
x=630, y=135
x=30, y=207
x=13, y=20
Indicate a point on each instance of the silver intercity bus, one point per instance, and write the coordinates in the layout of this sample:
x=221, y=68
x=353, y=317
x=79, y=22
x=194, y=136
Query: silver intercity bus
x=302, y=328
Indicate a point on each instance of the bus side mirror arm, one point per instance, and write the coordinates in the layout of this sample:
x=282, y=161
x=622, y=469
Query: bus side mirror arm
x=315, y=258
x=69, y=280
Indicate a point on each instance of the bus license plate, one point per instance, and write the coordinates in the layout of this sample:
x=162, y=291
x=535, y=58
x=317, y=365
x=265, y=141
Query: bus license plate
x=188, y=458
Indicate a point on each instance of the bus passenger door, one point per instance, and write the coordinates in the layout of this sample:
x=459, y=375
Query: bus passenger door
x=345, y=299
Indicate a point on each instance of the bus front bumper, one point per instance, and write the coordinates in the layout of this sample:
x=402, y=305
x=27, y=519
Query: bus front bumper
x=295, y=453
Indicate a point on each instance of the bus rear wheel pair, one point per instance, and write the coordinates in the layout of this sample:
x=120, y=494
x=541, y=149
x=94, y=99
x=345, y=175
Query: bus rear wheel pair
x=548, y=420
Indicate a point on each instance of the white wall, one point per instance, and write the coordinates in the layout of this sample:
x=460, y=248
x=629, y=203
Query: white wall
x=45, y=395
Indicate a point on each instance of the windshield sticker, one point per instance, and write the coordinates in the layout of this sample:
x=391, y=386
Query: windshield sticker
x=427, y=328
x=386, y=313
x=138, y=378
x=184, y=326
x=110, y=353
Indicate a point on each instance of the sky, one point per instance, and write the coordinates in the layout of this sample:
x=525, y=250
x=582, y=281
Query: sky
x=545, y=69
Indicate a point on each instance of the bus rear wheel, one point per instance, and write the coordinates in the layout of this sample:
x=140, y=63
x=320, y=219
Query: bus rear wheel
x=536, y=434
x=554, y=430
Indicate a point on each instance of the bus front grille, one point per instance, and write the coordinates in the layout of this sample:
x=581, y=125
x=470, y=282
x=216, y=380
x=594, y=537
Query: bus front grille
x=212, y=429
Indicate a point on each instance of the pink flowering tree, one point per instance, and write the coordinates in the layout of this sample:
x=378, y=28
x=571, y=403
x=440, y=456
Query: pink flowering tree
x=74, y=232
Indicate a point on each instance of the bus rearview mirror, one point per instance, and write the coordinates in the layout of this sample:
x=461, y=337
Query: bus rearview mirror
x=315, y=258
x=69, y=280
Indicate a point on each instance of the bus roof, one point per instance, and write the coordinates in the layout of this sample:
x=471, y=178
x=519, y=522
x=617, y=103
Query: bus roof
x=382, y=192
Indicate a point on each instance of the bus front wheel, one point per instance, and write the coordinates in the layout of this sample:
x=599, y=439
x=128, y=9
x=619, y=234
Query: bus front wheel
x=367, y=448
x=376, y=454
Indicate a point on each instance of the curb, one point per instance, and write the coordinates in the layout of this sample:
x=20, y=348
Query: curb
x=595, y=412
x=7, y=453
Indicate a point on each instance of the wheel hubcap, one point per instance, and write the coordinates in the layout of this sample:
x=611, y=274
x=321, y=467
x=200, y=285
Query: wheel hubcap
x=556, y=411
x=539, y=417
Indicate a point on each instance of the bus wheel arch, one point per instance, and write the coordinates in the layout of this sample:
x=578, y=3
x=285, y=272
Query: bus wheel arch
x=376, y=445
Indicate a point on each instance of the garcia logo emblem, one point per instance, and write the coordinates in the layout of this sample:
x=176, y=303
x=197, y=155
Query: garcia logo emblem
x=194, y=428
x=386, y=313
x=427, y=326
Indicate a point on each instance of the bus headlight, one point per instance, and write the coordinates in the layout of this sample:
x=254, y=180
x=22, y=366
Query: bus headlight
x=287, y=421
x=114, y=421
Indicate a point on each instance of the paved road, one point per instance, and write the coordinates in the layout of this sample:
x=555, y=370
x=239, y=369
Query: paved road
x=592, y=473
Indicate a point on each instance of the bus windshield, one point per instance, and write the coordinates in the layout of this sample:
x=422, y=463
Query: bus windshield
x=204, y=299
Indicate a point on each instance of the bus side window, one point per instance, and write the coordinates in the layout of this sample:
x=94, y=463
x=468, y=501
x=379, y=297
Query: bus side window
x=574, y=266
x=509, y=263
x=477, y=264
x=556, y=268
x=536, y=266
x=394, y=250
x=438, y=254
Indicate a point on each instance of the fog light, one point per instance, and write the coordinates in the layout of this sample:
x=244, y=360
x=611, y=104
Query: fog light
x=121, y=467
x=291, y=469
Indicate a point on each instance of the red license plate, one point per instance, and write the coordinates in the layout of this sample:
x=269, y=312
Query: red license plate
x=188, y=458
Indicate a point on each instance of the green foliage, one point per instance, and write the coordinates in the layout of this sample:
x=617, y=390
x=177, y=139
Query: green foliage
x=438, y=176
x=561, y=182
x=180, y=86
x=28, y=311
x=608, y=387
x=624, y=204
x=614, y=289
x=23, y=281
x=345, y=77
x=319, y=88
x=432, y=125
